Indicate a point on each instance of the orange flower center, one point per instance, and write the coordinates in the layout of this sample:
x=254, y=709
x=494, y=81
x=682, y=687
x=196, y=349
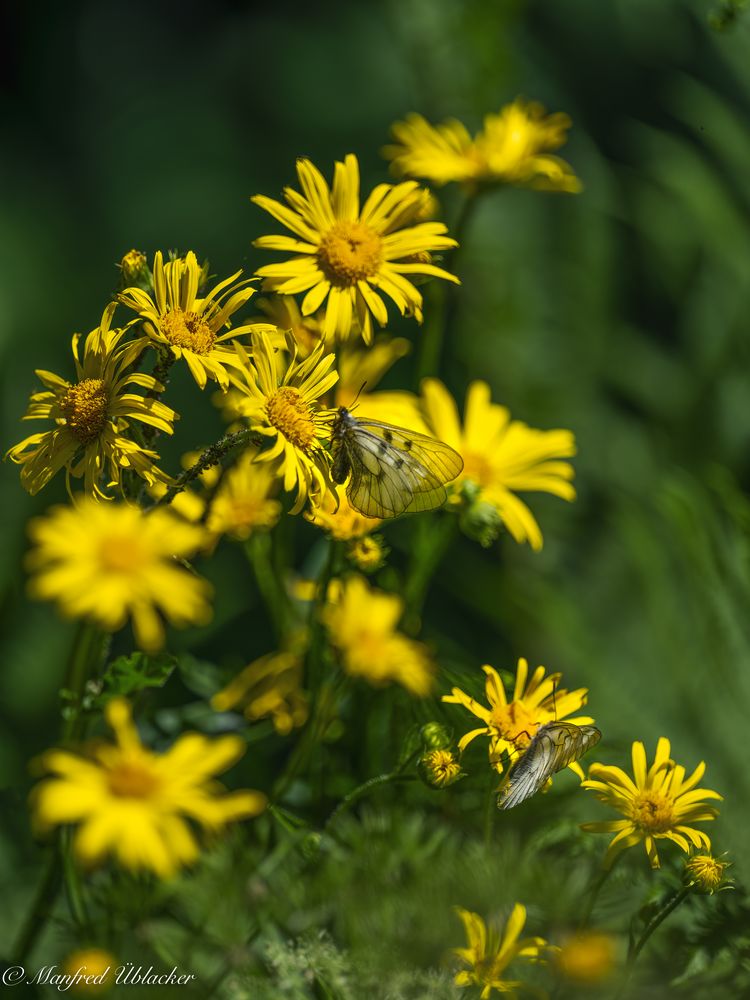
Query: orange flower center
x=188, y=330
x=85, y=408
x=515, y=723
x=120, y=554
x=290, y=414
x=350, y=252
x=653, y=811
x=132, y=780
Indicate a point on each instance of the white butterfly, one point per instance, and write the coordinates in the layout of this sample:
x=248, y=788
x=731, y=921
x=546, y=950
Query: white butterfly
x=392, y=470
x=553, y=747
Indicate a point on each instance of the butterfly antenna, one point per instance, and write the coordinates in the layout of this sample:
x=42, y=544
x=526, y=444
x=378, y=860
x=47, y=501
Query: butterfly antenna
x=359, y=393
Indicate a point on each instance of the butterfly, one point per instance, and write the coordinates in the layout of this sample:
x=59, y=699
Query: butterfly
x=553, y=747
x=392, y=470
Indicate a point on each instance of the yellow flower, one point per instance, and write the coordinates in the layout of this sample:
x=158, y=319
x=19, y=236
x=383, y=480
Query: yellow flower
x=127, y=801
x=347, y=256
x=111, y=562
x=336, y=516
x=657, y=803
x=501, y=456
x=490, y=951
x=243, y=502
x=363, y=367
x=513, y=148
x=368, y=554
x=92, y=971
x=705, y=873
x=361, y=624
x=511, y=725
x=281, y=403
x=134, y=269
x=92, y=416
x=187, y=326
x=269, y=686
x=587, y=958
x=439, y=768
x=284, y=312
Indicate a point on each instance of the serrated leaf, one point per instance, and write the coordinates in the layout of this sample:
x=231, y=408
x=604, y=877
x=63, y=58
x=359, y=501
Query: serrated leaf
x=129, y=674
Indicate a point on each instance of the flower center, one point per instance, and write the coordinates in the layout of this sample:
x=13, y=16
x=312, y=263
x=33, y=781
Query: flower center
x=349, y=252
x=129, y=780
x=188, y=330
x=515, y=723
x=85, y=408
x=653, y=811
x=477, y=468
x=290, y=414
x=120, y=554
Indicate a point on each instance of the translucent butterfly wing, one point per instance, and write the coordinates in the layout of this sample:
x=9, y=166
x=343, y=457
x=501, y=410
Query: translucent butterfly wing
x=393, y=470
x=554, y=746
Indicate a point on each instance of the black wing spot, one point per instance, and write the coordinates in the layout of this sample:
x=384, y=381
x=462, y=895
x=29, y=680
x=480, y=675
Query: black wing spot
x=388, y=435
x=398, y=462
x=407, y=444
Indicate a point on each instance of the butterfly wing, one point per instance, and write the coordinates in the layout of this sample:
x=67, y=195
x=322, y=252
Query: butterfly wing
x=394, y=470
x=554, y=746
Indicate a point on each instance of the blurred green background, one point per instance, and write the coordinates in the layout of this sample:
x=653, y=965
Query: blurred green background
x=621, y=313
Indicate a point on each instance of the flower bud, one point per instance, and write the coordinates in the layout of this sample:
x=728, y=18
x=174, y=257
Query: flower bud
x=134, y=270
x=435, y=736
x=705, y=873
x=439, y=768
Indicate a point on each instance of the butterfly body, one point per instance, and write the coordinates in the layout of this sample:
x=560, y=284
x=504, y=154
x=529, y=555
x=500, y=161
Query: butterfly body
x=553, y=747
x=391, y=470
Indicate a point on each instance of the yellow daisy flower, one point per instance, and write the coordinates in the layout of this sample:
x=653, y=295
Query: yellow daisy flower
x=490, y=951
x=187, y=326
x=284, y=312
x=92, y=416
x=587, y=958
x=511, y=725
x=244, y=499
x=281, y=403
x=92, y=970
x=361, y=624
x=513, y=148
x=336, y=516
x=347, y=256
x=110, y=562
x=705, y=873
x=657, y=803
x=501, y=456
x=134, y=804
x=269, y=686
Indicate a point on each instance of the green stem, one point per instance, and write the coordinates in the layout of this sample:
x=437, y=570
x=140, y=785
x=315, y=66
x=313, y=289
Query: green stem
x=73, y=886
x=84, y=657
x=211, y=456
x=594, y=895
x=444, y=308
x=490, y=812
x=364, y=789
x=258, y=551
x=433, y=539
x=42, y=906
x=672, y=903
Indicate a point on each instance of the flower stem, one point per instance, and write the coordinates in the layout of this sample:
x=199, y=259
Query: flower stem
x=431, y=542
x=446, y=297
x=596, y=888
x=42, y=906
x=364, y=789
x=211, y=456
x=258, y=551
x=634, y=951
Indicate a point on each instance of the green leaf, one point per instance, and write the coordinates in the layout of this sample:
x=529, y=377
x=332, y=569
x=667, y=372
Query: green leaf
x=129, y=674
